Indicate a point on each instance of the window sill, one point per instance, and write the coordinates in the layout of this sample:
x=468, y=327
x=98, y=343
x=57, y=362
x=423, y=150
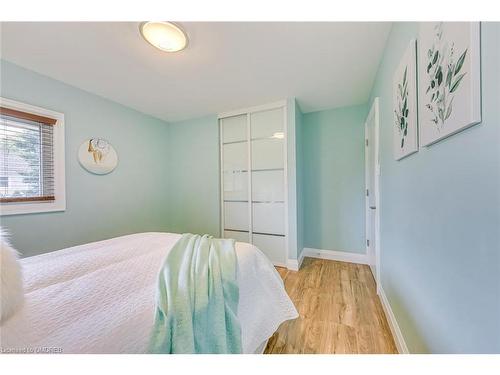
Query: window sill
x=7, y=209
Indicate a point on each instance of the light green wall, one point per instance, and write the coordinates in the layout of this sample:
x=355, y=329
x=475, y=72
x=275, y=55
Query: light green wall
x=440, y=219
x=193, y=159
x=133, y=198
x=333, y=179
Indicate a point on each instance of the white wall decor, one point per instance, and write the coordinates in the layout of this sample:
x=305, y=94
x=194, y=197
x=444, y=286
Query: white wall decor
x=405, y=104
x=97, y=156
x=449, y=79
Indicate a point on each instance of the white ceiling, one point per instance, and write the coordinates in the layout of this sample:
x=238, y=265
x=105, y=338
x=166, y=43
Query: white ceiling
x=226, y=65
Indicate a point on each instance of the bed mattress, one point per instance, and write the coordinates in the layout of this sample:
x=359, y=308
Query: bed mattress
x=99, y=297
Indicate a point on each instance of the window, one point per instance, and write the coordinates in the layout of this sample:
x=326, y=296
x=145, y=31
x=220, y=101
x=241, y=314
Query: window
x=4, y=182
x=26, y=157
x=31, y=159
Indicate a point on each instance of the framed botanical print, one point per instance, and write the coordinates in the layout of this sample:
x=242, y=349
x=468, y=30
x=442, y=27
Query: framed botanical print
x=449, y=75
x=405, y=104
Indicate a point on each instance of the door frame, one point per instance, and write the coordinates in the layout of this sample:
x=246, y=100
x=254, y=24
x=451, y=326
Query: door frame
x=375, y=113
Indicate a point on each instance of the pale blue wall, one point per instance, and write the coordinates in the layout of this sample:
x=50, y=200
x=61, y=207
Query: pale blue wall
x=440, y=219
x=133, y=198
x=333, y=179
x=194, y=193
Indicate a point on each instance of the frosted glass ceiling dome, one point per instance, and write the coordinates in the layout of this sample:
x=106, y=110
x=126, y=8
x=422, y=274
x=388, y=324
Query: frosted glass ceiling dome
x=165, y=36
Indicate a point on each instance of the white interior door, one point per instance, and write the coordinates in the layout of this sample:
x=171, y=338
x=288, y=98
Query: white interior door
x=372, y=173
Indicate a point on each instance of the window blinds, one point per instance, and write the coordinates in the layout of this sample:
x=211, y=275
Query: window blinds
x=26, y=157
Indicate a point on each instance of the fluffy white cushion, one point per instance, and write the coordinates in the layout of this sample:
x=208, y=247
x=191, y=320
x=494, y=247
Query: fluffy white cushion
x=11, y=287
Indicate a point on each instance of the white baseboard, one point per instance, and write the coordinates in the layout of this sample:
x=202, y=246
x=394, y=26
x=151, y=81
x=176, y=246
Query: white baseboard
x=393, y=323
x=341, y=256
x=294, y=264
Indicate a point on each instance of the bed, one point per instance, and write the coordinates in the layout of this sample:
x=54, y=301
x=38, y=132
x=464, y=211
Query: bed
x=99, y=297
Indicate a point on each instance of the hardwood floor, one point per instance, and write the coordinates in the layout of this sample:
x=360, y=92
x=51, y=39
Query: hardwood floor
x=339, y=309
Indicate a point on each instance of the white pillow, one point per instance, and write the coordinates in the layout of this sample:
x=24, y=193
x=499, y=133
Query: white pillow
x=11, y=287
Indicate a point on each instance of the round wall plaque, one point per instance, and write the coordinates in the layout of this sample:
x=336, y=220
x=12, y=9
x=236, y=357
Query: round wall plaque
x=97, y=156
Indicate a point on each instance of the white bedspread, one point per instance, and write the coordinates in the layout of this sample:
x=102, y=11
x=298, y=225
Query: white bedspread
x=99, y=297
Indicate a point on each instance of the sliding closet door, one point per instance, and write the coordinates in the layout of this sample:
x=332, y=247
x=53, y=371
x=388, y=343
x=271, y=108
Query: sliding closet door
x=235, y=178
x=268, y=183
x=254, y=195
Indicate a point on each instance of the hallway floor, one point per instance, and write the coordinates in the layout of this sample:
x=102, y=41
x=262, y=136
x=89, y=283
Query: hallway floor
x=339, y=309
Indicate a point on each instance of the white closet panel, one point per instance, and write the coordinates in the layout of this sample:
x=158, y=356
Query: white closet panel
x=235, y=185
x=268, y=186
x=238, y=236
x=254, y=188
x=267, y=154
x=267, y=124
x=236, y=215
x=235, y=156
x=268, y=218
x=234, y=129
x=272, y=246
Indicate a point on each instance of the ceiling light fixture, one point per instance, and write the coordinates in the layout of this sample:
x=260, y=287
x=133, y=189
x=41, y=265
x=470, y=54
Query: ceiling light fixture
x=164, y=35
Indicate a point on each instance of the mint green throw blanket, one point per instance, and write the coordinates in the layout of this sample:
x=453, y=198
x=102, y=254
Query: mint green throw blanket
x=197, y=298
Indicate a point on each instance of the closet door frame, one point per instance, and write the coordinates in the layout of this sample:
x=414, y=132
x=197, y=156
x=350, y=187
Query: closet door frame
x=248, y=112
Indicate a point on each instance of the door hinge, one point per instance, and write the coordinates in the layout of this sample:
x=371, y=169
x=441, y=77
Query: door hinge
x=366, y=142
x=367, y=193
x=368, y=243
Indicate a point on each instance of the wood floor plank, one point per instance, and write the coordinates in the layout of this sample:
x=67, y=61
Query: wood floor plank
x=339, y=310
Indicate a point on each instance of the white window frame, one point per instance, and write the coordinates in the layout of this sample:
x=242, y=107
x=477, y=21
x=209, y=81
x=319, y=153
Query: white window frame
x=59, y=204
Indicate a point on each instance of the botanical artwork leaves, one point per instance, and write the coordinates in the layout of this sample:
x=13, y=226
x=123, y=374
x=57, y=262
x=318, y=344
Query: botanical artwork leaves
x=405, y=139
x=402, y=111
x=444, y=76
x=449, y=79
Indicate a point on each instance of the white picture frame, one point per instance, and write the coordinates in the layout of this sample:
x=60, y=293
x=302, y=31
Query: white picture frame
x=449, y=75
x=405, y=111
